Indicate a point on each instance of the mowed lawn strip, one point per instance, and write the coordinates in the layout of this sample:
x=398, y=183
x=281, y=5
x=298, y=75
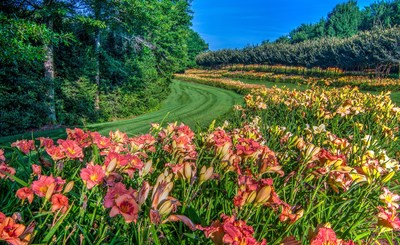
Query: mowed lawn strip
x=190, y=103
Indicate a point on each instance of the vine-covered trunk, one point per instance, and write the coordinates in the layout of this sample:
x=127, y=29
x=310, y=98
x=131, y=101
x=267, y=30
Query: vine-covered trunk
x=97, y=77
x=49, y=76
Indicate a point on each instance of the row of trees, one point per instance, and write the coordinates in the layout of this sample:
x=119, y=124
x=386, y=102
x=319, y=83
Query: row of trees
x=346, y=20
x=379, y=49
x=76, y=61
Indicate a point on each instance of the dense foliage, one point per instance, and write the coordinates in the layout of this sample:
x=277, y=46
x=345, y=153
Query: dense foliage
x=346, y=19
x=72, y=62
x=377, y=49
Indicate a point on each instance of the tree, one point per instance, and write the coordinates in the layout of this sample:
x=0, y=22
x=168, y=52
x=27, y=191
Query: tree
x=196, y=45
x=344, y=20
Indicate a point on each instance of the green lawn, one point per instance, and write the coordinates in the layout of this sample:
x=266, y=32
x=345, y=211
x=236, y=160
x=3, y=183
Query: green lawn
x=192, y=104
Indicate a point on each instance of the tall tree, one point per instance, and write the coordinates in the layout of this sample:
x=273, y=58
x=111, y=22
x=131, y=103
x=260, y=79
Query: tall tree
x=344, y=20
x=195, y=45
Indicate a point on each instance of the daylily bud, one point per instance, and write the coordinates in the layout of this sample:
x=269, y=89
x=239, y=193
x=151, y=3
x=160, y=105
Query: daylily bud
x=184, y=219
x=50, y=191
x=388, y=177
x=143, y=193
x=69, y=187
x=263, y=194
x=205, y=174
x=146, y=168
x=300, y=144
x=223, y=151
x=300, y=213
x=187, y=171
x=165, y=207
x=311, y=151
x=251, y=197
x=161, y=192
x=112, y=165
x=17, y=216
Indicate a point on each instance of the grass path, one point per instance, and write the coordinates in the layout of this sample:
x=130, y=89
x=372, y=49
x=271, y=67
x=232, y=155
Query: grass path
x=192, y=104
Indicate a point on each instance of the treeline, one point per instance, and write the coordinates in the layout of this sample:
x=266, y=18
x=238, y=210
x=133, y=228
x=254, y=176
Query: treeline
x=73, y=62
x=349, y=38
x=346, y=20
x=378, y=49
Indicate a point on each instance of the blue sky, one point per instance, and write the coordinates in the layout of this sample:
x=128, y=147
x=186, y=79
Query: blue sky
x=238, y=23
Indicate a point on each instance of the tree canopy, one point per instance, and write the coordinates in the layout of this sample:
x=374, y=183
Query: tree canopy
x=72, y=62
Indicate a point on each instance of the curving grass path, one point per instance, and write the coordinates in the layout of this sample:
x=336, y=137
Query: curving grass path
x=190, y=103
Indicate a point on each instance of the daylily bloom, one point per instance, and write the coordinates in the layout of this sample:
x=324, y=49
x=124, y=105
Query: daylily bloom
x=221, y=141
x=71, y=149
x=268, y=163
x=5, y=169
x=324, y=235
x=177, y=141
x=25, y=146
x=144, y=142
x=118, y=137
x=290, y=215
x=11, y=232
x=102, y=142
x=231, y=231
x=25, y=193
x=59, y=202
x=247, y=148
x=55, y=153
x=36, y=169
x=116, y=191
x=126, y=206
x=45, y=142
x=79, y=136
x=41, y=186
x=389, y=198
x=134, y=163
x=92, y=175
x=116, y=159
x=388, y=219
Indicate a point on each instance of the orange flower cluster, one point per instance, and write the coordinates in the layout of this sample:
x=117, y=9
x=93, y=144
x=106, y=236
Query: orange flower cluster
x=12, y=232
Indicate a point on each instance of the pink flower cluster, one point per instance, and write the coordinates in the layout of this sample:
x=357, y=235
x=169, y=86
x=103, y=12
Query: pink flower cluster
x=324, y=235
x=231, y=231
x=244, y=150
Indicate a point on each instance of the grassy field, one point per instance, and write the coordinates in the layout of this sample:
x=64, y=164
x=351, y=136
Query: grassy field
x=193, y=104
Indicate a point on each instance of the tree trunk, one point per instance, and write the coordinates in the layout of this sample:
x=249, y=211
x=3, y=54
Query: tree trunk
x=49, y=76
x=97, y=77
